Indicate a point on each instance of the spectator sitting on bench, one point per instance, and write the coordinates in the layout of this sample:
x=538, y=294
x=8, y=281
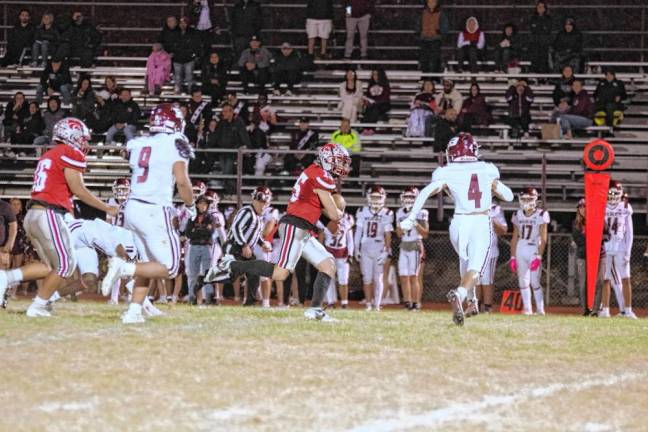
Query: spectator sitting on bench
x=200, y=111
x=471, y=45
x=519, y=97
x=126, y=113
x=424, y=111
x=214, y=77
x=111, y=89
x=83, y=103
x=304, y=138
x=21, y=36
x=350, y=92
x=81, y=40
x=609, y=96
x=102, y=117
x=288, y=69
x=377, y=99
x=578, y=114
x=508, y=49
x=474, y=110
x=563, y=88
x=45, y=40
x=449, y=97
x=31, y=128
x=52, y=114
x=240, y=108
x=568, y=46
x=254, y=65
x=264, y=116
x=16, y=110
x=55, y=78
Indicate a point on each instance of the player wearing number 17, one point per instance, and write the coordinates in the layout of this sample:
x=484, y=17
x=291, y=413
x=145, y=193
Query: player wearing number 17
x=471, y=183
x=158, y=163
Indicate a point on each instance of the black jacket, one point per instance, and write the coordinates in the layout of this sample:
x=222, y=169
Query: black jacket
x=562, y=90
x=102, y=116
x=258, y=140
x=291, y=63
x=206, y=114
x=210, y=71
x=199, y=230
x=50, y=35
x=83, y=105
x=169, y=38
x=540, y=28
x=82, y=36
x=55, y=80
x=33, y=126
x=126, y=112
x=443, y=133
x=607, y=91
x=12, y=119
x=20, y=37
x=230, y=135
x=569, y=42
x=187, y=47
x=246, y=19
x=319, y=9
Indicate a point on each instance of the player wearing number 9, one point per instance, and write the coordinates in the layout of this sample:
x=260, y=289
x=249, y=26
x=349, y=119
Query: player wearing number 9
x=58, y=177
x=472, y=184
x=158, y=162
x=527, y=248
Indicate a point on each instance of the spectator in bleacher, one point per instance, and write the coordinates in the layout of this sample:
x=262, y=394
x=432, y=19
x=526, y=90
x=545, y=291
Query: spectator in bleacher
x=563, y=88
x=81, y=40
x=304, y=138
x=126, y=114
x=264, y=115
x=240, y=107
x=350, y=92
x=609, y=96
x=46, y=39
x=102, y=116
x=83, y=99
x=446, y=128
x=158, y=69
x=185, y=52
x=288, y=69
x=169, y=34
x=507, y=51
x=55, y=78
x=568, y=46
x=52, y=114
x=319, y=24
x=449, y=97
x=358, y=16
x=110, y=88
x=377, y=99
x=474, y=110
x=246, y=22
x=230, y=134
x=200, y=110
x=191, y=130
x=214, y=77
x=19, y=37
x=424, y=110
x=16, y=110
x=434, y=24
x=32, y=127
x=254, y=65
x=206, y=139
x=519, y=97
x=576, y=115
x=350, y=140
x=540, y=25
x=255, y=163
x=471, y=45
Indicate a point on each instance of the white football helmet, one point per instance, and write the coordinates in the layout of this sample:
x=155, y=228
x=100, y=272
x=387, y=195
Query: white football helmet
x=73, y=132
x=408, y=197
x=615, y=192
x=376, y=198
x=528, y=199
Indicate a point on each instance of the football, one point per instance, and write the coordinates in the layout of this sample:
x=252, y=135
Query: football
x=339, y=201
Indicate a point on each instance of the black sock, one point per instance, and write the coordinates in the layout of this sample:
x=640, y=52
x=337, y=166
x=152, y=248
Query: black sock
x=254, y=267
x=320, y=286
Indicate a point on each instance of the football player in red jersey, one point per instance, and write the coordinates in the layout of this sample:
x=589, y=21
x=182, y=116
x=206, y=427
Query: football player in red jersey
x=312, y=194
x=58, y=177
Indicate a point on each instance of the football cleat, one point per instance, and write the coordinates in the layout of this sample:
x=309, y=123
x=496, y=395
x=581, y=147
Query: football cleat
x=457, y=308
x=472, y=309
x=36, y=311
x=115, y=265
x=630, y=315
x=3, y=289
x=317, y=314
x=132, y=318
x=604, y=313
x=150, y=310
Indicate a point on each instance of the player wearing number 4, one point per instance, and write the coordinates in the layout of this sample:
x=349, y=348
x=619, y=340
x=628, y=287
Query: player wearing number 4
x=527, y=248
x=158, y=163
x=58, y=176
x=472, y=184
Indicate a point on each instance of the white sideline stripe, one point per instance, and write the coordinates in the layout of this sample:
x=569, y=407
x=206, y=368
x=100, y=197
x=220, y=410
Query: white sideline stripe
x=466, y=410
x=52, y=407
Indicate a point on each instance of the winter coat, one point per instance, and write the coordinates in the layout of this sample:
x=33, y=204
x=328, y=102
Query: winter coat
x=187, y=47
x=82, y=36
x=102, y=116
x=20, y=37
x=607, y=91
x=519, y=105
x=54, y=80
x=569, y=42
x=50, y=118
x=477, y=107
x=158, y=69
x=83, y=106
x=126, y=112
x=582, y=105
x=12, y=119
x=231, y=135
x=218, y=71
x=260, y=57
x=246, y=19
x=563, y=91
x=291, y=62
x=319, y=9
x=376, y=93
x=50, y=35
x=540, y=28
x=169, y=38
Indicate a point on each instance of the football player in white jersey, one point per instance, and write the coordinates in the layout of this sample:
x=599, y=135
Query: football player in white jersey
x=337, y=237
x=220, y=235
x=618, y=249
x=472, y=184
x=120, y=190
x=375, y=224
x=270, y=220
x=527, y=248
x=485, y=289
x=409, y=259
x=158, y=162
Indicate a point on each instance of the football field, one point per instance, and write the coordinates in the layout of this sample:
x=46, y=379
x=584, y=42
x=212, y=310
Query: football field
x=234, y=368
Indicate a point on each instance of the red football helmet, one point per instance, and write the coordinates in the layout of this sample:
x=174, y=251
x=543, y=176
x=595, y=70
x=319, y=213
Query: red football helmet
x=73, y=132
x=463, y=148
x=121, y=189
x=166, y=118
x=262, y=193
x=615, y=192
x=198, y=187
x=528, y=199
x=334, y=159
x=213, y=197
x=376, y=198
x=408, y=197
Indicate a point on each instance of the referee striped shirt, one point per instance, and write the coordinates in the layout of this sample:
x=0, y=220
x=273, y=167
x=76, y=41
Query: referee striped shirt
x=246, y=227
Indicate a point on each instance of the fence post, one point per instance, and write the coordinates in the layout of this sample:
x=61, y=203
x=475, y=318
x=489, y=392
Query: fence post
x=239, y=177
x=440, y=194
x=548, y=283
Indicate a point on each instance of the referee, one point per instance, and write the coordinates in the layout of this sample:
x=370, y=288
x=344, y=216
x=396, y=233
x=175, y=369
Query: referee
x=245, y=232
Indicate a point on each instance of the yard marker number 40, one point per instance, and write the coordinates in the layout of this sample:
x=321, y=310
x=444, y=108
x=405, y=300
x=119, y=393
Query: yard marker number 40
x=511, y=302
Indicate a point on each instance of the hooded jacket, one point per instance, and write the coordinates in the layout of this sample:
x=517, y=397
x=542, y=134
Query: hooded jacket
x=476, y=38
x=571, y=42
x=246, y=18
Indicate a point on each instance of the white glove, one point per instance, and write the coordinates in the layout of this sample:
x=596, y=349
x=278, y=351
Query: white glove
x=191, y=211
x=381, y=258
x=407, y=224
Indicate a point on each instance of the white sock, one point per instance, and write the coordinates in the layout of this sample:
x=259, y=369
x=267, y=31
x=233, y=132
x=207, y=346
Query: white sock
x=130, y=285
x=618, y=292
x=55, y=297
x=605, y=309
x=128, y=269
x=526, y=299
x=628, y=310
x=39, y=301
x=378, y=290
x=114, y=295
x=265, y=303
x=14, y=276
x=462, y=293
x=135, y=308
x=345, y=302
x=539, y=299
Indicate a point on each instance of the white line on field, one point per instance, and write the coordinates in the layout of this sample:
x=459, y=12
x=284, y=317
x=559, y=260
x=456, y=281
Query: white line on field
x=463, y=410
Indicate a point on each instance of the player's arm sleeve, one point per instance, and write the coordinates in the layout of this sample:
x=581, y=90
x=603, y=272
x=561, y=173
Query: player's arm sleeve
x=350, y=242
x=432, y=189
x=389, y=227
x=502, y=191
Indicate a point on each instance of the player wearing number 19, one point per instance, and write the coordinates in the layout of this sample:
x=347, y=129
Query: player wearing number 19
x=58, y=176
x=158, y=162
x=471, y=183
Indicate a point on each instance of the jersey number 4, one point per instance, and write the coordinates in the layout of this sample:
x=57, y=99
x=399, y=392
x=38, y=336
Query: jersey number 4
x=143, y=162
x=474, y=194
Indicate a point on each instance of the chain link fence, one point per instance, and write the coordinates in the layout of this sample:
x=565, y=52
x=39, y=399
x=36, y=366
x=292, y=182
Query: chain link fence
x=560, y=280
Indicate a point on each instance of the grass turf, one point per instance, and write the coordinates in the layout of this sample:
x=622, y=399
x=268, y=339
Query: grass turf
x=233, y=368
